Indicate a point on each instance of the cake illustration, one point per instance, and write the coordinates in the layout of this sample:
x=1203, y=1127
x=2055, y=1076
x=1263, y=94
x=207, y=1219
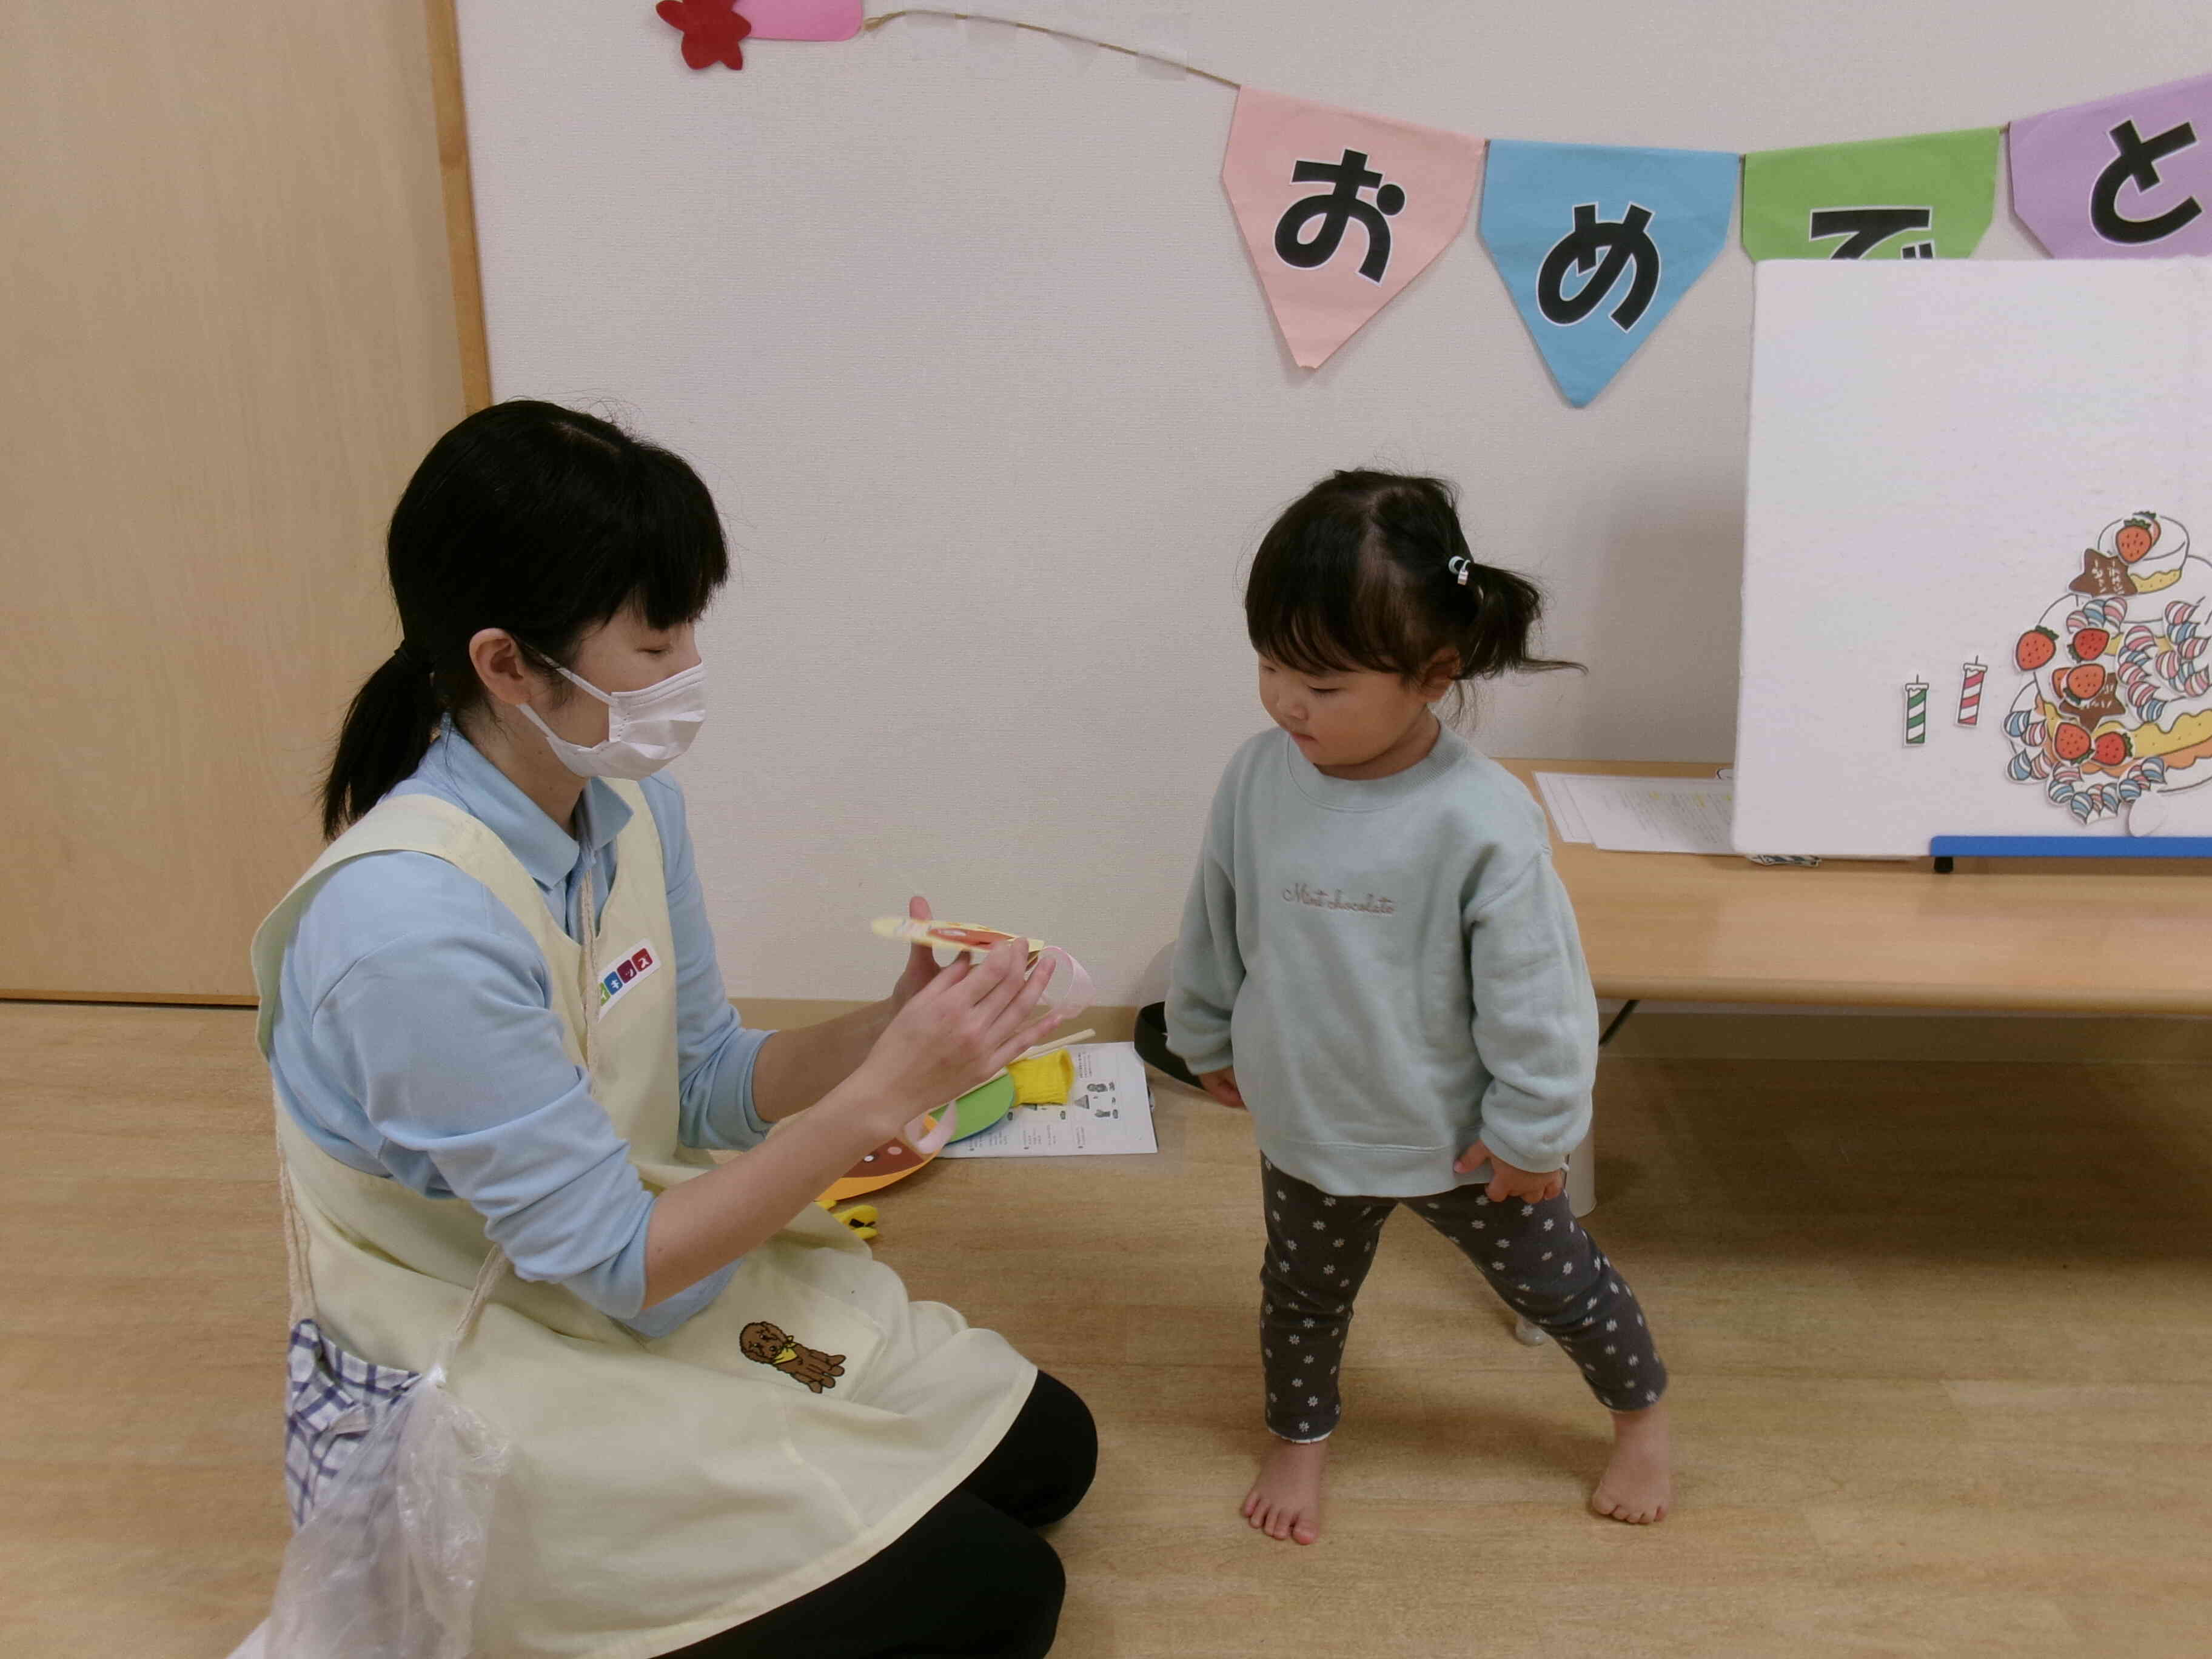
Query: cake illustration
x=2116, y=701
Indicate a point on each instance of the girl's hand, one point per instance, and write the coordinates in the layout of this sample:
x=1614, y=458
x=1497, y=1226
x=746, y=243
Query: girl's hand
x=921, y=961
x=1222, y=1086
x=1510, y=1181
x=955, y=1033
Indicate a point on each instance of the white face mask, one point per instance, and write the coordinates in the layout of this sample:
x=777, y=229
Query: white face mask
x=646, y=729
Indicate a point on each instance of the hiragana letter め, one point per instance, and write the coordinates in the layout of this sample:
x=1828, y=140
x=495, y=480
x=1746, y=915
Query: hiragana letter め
x=1622, y=241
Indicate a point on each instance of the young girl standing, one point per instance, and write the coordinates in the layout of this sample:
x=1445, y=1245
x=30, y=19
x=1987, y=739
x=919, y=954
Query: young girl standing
x=1378, y=961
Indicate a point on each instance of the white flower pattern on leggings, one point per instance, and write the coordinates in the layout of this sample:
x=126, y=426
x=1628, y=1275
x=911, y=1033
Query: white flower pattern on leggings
x=1308, y=1303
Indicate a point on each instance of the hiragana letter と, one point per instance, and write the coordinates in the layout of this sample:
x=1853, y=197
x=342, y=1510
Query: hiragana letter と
x=2136, y=164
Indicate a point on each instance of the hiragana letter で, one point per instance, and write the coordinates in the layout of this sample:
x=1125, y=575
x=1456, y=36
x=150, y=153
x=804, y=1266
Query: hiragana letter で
x=1866, y=228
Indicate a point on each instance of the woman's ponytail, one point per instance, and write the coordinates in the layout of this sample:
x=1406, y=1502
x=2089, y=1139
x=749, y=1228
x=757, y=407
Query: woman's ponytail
x=387, y=730
x=540, y=521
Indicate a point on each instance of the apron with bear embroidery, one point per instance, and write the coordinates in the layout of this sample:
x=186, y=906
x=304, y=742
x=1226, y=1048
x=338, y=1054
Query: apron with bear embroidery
x=661, y=1492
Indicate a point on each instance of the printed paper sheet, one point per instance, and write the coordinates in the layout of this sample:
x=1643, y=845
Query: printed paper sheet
x=1108, y=1112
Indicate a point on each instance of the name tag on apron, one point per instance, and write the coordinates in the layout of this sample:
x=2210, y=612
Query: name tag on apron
x=630, y=970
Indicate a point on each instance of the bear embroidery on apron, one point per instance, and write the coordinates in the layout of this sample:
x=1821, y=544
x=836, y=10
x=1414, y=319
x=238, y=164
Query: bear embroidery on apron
x=768, y=1346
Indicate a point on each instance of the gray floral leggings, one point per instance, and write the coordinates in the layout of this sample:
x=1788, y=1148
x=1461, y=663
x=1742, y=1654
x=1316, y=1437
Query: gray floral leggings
x=1537, y=1257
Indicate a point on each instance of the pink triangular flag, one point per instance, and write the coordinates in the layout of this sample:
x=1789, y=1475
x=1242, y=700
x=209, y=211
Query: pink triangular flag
x=802, y=19
x=1340, y=209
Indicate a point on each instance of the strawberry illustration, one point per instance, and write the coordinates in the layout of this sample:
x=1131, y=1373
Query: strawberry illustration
x=2112, y=748
x=2137, y=537
x=2083, y=682
x=2069, y=742
x=2036, y=646
x=2091, y=643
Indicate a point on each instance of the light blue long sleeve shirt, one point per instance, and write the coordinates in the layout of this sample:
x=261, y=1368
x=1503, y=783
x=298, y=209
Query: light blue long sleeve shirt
x=1392, y=967
x=417, y=1038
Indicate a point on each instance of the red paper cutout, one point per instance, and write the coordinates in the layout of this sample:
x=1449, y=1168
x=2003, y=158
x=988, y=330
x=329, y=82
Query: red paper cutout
x=712, y=31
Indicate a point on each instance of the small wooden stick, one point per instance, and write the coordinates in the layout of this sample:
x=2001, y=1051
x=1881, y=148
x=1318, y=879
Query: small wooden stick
x=1053, y=1048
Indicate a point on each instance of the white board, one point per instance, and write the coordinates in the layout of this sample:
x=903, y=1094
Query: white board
x=1934, y=451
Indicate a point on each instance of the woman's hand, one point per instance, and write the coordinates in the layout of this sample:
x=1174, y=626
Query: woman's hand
x=1222, y=1086
x=797, y=1067
x=1510, y=1181
x=955, y=1033
x=921, y=961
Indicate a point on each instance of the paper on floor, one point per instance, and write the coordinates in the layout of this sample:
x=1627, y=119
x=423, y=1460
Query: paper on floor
x=1109, y=1111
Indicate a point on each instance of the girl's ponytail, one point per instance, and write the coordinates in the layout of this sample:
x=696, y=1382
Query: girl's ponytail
x=1372, y=570
x=387, y=730
x=1494, y=639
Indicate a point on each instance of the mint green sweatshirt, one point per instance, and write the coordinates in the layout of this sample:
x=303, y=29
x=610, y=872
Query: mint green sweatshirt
x=1391, y=966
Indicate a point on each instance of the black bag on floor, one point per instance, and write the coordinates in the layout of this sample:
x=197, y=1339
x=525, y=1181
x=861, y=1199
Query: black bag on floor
x=1153, y=1042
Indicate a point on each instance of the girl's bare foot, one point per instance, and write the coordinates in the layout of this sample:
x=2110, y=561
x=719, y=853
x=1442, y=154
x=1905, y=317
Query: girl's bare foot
x=1285, y=1502
x=1637, y=1486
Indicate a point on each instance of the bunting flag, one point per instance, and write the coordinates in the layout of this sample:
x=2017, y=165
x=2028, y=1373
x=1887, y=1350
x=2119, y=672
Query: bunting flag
x=2126, y=178
x=802, y=19
x=1923, y=198
x=1597, y=243
x=1340, y=211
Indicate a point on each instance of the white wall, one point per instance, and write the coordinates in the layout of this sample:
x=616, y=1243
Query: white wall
x=957, y=323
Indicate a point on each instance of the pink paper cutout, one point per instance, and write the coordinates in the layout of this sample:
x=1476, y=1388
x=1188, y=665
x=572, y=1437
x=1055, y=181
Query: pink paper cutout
x=1400, y=211
x=803, y=20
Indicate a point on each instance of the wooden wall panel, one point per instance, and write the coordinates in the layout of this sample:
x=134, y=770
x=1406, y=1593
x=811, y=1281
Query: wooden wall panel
x=228, y=333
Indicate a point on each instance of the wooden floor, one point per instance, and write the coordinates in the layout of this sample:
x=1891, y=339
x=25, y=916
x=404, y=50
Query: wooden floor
x=1940, y=1336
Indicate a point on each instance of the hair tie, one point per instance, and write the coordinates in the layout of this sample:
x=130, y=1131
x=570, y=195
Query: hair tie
x=405, y=653
x=1460, y=566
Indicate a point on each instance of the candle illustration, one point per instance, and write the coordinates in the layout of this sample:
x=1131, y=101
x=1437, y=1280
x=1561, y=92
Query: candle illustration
x=1970, y=692
x=1916, y=713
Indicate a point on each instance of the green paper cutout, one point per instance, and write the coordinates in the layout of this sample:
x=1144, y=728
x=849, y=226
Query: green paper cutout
x=1928, y=197
x=980, y=1108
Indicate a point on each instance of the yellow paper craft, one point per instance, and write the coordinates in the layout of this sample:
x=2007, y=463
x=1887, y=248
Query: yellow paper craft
x=1047, y=1081
x=860, y=1217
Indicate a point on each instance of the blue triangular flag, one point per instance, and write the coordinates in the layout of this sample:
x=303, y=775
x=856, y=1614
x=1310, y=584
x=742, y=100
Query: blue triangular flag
x=1596, y=243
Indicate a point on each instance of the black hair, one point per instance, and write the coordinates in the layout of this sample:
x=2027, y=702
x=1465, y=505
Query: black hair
x=1363, y=572
x=532, y=517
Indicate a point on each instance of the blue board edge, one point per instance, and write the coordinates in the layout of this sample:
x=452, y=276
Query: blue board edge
x=2071, y=847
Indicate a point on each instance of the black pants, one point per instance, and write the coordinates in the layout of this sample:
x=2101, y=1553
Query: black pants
x=971, y=1580
x=1537, y=1257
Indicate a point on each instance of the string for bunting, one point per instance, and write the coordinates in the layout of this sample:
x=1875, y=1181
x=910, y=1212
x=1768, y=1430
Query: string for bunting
x=1595, y=243
x=876, y=23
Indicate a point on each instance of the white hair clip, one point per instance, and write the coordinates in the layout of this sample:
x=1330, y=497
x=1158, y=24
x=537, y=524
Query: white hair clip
x=1461, y=567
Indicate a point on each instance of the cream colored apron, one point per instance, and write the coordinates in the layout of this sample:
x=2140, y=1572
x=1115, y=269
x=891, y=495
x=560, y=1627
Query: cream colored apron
x=661, y=1491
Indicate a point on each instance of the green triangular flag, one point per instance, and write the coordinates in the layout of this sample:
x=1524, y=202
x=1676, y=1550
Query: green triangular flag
x=1924, y=198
